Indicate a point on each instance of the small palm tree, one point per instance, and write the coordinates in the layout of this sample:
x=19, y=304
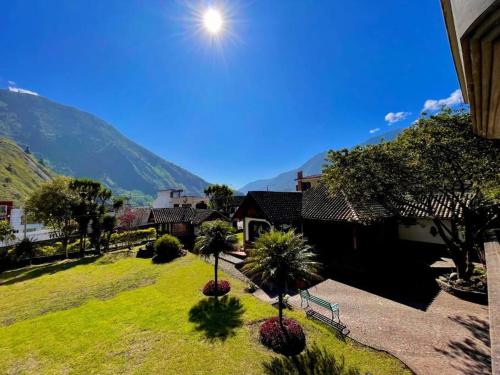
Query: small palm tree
x=216, y=237
x=279, y=259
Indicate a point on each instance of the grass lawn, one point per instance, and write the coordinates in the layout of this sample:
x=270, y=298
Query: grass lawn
x=119, y=314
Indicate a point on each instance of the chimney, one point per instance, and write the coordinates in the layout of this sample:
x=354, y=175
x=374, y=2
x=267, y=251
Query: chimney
x=300, y=175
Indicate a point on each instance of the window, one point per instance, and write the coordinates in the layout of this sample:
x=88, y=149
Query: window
x=306, y=185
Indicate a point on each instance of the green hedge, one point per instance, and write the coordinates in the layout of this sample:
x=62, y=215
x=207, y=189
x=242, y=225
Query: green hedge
x=136, y=236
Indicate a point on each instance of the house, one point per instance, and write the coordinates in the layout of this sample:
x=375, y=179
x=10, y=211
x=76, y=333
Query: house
x=169, y=198
x=5, y=210
x=333, y=225
x=348, y=231
x=182, y=222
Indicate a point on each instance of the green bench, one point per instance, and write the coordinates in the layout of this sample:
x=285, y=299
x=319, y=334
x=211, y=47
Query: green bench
x=306, y=298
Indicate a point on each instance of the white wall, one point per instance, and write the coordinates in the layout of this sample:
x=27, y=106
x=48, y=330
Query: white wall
x=163, y=199
x=419, y=232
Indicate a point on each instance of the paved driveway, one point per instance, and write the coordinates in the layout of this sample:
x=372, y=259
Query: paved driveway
x=449, y=336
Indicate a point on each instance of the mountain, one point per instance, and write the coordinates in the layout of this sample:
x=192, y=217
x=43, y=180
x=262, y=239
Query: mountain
x=20, y=172
x=79, y=144
x=286, y=180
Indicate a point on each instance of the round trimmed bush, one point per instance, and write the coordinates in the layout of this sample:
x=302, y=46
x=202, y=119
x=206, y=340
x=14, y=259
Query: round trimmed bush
x=167, y=247
x=288, y=340
x=223, y=287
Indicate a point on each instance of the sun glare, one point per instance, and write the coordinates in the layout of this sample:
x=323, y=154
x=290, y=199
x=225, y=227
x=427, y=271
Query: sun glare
x=212, y=20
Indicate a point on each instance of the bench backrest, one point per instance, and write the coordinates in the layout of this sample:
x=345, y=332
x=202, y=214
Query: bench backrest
x=305, y=294
x=320, y=302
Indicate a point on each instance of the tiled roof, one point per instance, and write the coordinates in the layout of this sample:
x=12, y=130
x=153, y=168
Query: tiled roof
x=183, y=215
x=319, y=204
x=442, y=207
x=279, y=207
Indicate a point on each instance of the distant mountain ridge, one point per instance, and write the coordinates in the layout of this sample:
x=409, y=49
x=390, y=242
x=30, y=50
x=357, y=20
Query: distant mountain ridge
x=286, y=180
x=76, y=143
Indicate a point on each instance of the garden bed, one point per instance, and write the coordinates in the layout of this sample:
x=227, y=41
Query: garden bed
x=468, y=294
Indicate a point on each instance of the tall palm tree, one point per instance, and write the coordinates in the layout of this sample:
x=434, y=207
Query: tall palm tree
x=280, y=259
x=216, y=237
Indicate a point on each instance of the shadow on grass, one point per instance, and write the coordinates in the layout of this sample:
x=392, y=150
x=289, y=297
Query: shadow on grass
x=218, y=318
x=32, y=272
x=470, y=356
x=314, y=361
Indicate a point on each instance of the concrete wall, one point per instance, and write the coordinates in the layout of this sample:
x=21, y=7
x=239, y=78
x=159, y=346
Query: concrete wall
x=473, y=30
x=466, y=12
x=419, y=232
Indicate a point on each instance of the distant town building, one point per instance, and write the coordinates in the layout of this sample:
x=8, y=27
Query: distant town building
x=306, y=182
x=169, y=198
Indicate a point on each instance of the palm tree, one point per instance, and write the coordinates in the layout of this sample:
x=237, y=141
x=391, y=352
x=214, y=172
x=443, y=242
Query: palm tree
x=279, y=259
x=216, y=237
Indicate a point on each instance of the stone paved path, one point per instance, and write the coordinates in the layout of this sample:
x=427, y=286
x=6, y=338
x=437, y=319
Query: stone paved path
x=450, y=336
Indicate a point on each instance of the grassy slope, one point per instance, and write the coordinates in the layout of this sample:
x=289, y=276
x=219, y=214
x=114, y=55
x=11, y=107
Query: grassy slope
x=131, y=316
x=26, y=174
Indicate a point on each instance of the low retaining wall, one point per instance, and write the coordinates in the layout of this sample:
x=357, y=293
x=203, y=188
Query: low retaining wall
x=492, y=252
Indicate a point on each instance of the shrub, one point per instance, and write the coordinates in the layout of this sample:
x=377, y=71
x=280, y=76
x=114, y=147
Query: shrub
x=24, y=249
x=147, y=252
x=75, y=246
x=223, y=287
x=133, y=236
x=46, y=251
x=287, y=340
x=167, y=247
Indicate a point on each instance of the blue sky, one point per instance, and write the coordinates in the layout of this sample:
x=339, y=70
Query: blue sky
x=286, y=79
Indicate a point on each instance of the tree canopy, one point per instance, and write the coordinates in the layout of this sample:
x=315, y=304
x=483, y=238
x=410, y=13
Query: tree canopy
x=436, y=155
x=52, y=204
x=280, y=259
x=220, y=197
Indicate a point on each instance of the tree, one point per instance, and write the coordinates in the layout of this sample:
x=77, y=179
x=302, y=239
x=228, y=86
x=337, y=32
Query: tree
x=6, y=235
x=108, y=226
x=216, y=237
x=438, y=155
x=24, y=249
x=6, y=232
x=90, y=208
x=281, y=259
x=127, y=220
x=220, y=197
x=52, y=204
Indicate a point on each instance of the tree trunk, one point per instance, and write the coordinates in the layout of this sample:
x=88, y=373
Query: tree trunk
x=108, y=240
x=82, y=246
x=216, y=266
x=65, y=247
x=280, y=308
x=459, y=250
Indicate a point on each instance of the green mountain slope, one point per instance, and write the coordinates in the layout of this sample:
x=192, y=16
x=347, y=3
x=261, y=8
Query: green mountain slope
x=76, y=143
x=20, y=173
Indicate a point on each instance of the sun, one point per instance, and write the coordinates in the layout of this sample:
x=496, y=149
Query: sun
x=212, y=20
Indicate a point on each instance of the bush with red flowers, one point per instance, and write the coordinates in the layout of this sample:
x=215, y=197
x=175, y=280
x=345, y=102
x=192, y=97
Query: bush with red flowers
x=288, y=340
x=223, y=287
